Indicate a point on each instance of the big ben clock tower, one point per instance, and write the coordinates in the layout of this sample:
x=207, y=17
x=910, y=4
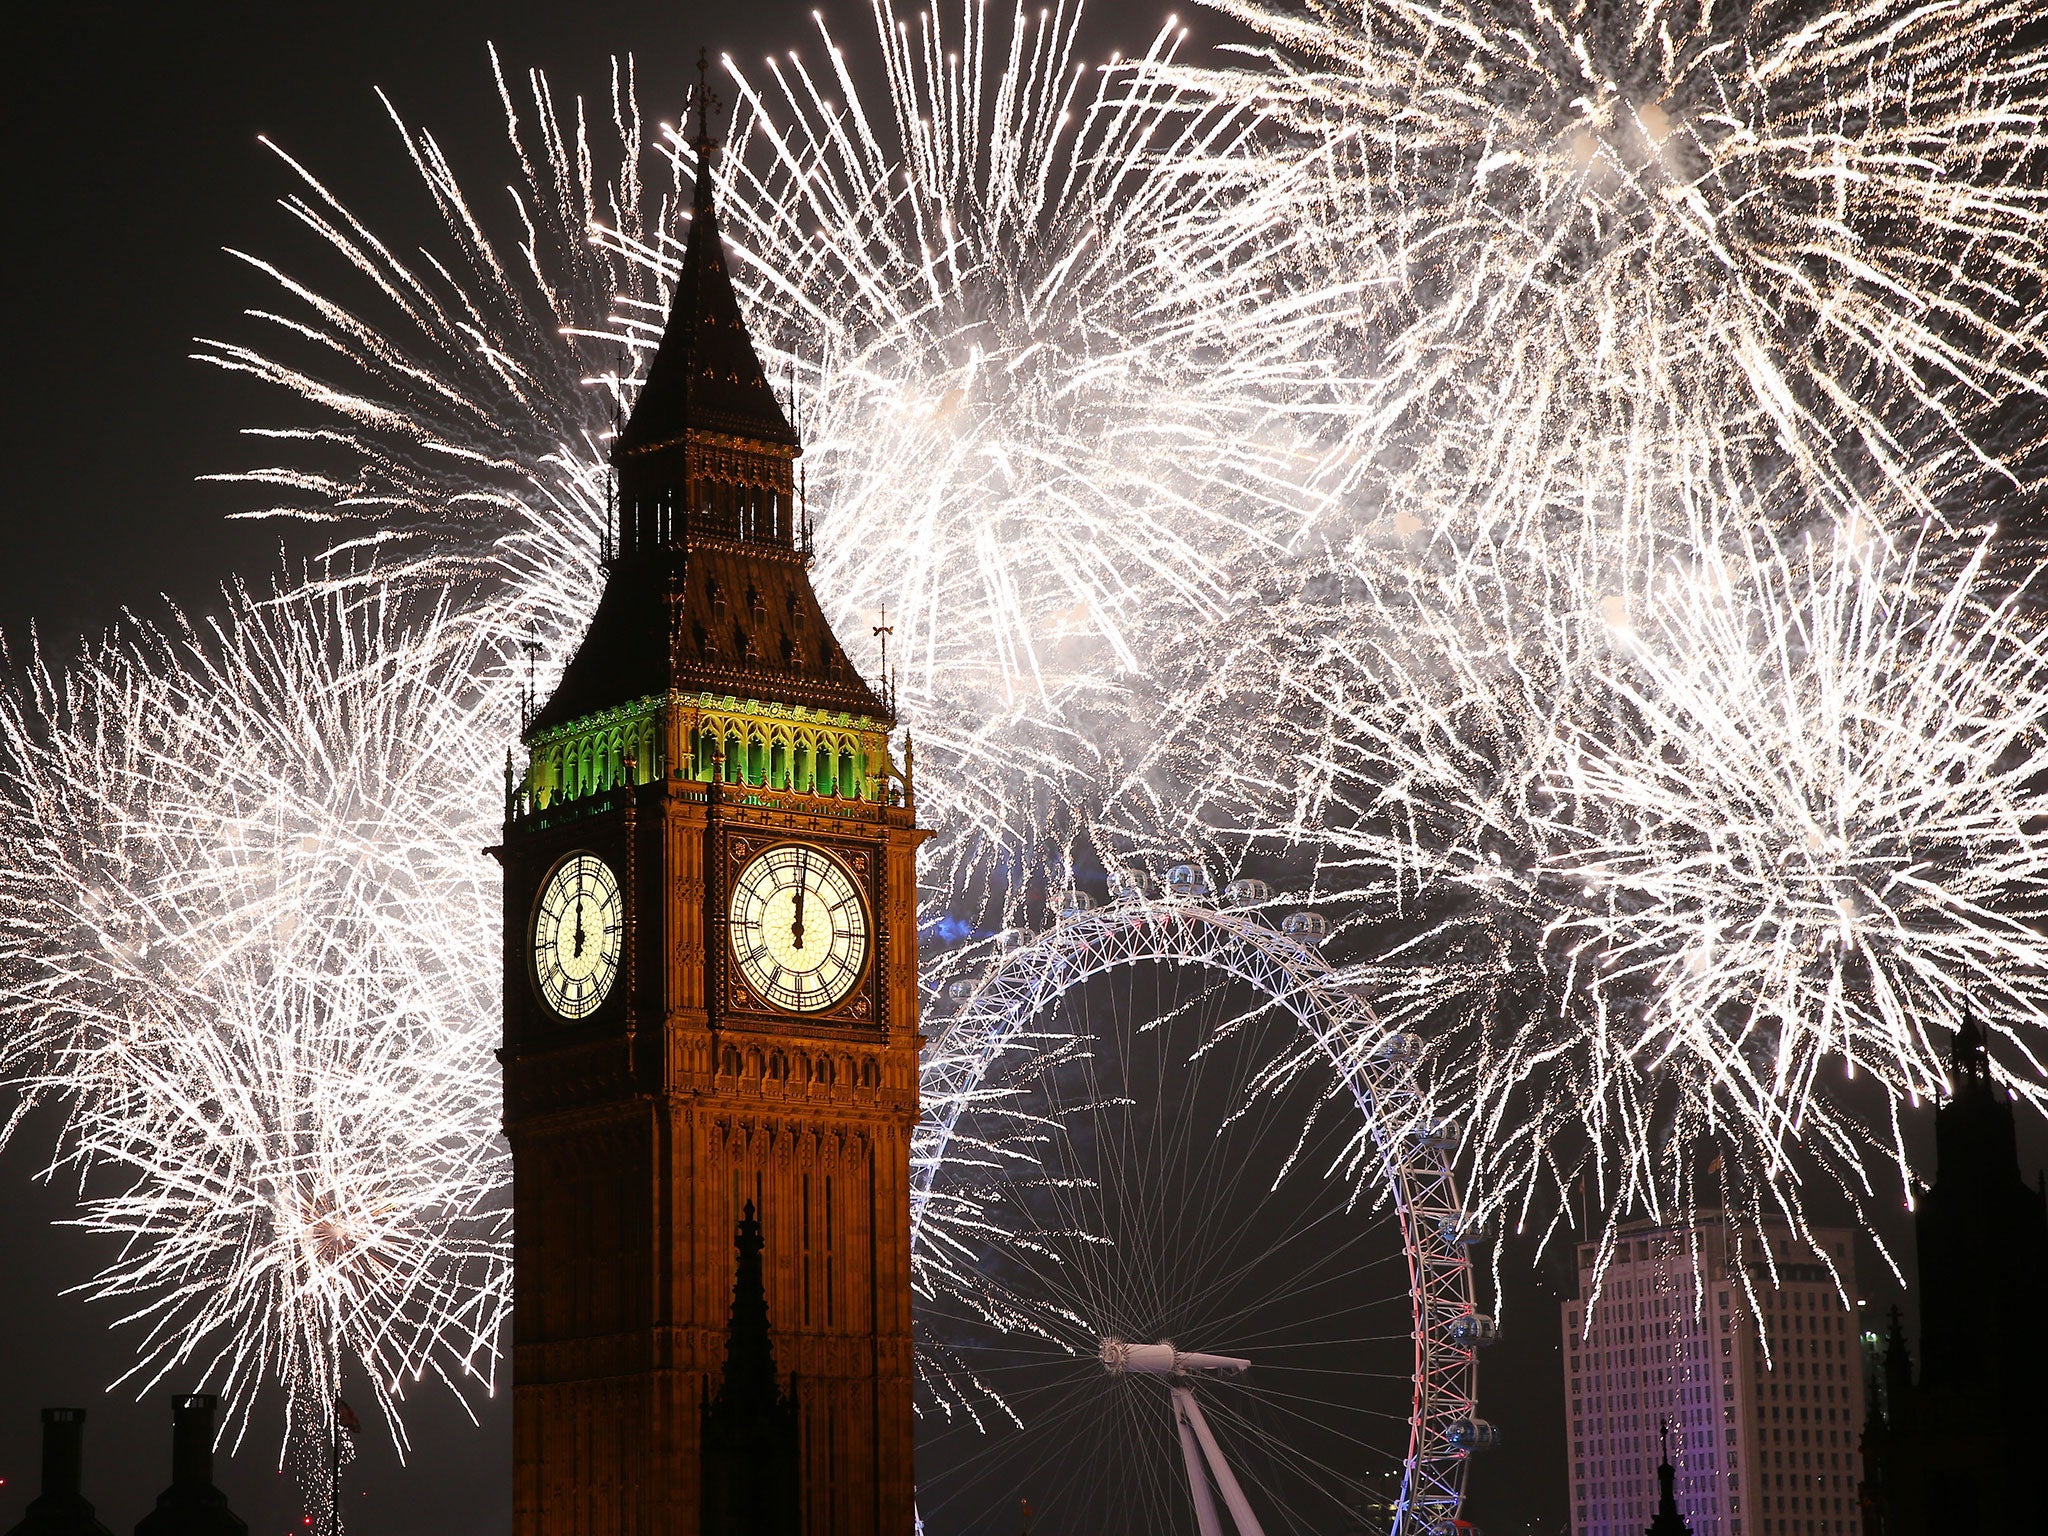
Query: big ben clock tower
x=710, y=985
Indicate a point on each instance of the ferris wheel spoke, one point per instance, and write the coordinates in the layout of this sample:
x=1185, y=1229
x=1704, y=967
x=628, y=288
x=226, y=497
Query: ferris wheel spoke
x=1169, y=1139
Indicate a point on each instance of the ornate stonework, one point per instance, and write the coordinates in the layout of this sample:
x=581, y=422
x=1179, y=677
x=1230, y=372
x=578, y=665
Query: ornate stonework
x=709, y=715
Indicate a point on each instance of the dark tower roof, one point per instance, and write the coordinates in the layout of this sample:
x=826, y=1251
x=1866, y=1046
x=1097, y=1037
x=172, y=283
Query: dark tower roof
x=705, y=376
x=61, y=1510
x=716, y=617
x=192, y=1505
x=708, y=591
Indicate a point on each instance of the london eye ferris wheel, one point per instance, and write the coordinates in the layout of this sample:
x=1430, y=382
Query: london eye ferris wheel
x=1189, y=1249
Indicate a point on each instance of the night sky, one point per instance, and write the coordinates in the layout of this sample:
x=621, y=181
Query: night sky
x=134, y=159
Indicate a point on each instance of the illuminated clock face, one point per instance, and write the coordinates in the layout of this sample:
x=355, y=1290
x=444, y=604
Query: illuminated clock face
x=799, y=931
x=578, y=928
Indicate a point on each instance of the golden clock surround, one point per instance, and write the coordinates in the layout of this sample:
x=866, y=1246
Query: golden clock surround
x=855, y=1013
x=611, y=939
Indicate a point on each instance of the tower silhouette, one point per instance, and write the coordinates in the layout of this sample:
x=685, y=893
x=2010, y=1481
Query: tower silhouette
x=750, y=1427
x=192, y=1505
x=61, y=1509
x=1950, y=1453
x=1668, y=1521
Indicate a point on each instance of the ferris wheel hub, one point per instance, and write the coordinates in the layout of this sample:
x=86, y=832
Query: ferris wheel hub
x=1162, y=1359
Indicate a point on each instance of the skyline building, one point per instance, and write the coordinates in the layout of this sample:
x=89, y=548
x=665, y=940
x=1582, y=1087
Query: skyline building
x=191, y=1506
x=1951, y=1452
x=1744, y=1346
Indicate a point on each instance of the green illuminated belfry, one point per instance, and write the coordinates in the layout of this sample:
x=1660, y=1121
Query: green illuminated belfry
x=709, y=657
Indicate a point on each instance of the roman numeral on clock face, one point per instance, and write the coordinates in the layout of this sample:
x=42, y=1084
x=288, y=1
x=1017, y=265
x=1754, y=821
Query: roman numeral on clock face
x=578, y=935
x=799, y=927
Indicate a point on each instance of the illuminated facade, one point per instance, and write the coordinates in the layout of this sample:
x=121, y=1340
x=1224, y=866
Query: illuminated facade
x=1760, y=1445
x=711, y=1004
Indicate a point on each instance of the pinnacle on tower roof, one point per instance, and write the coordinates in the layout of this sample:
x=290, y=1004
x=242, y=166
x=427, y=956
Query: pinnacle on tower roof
x=749, y=1381
x=750, y=1480
x=705, y=376
x=1668, y=1522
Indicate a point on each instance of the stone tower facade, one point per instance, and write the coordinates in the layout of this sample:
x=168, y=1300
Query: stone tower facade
x=710, y=984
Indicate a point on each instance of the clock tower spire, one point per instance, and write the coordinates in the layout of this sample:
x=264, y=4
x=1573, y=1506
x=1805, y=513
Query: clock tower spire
x=710, y=982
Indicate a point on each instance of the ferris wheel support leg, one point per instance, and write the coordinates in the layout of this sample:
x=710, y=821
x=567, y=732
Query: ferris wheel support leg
x=1233, y=1496
x=1198, y=1480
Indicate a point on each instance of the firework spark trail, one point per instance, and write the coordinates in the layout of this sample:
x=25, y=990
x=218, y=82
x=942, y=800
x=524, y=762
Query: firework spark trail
x=1664, y=863
x=1602, y=249
x=241, y=916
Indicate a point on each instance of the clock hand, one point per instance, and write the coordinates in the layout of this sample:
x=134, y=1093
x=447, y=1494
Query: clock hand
x=803, y=865
x=577, y=954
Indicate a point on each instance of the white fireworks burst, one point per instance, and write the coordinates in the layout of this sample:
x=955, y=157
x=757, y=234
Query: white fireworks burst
x=1398, y=449
x=1607, y=251
x=1654, y=868
x=242, y=916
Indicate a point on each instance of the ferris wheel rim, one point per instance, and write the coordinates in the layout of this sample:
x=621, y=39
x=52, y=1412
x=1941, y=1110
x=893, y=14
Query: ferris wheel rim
x=1414, y=1159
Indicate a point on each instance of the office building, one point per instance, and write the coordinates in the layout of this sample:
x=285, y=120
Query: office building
x=1743, y=1345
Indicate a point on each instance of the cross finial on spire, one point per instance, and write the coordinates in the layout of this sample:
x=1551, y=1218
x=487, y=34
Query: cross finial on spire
x=706, y=145
x=883, y=631
x=1969, y=1052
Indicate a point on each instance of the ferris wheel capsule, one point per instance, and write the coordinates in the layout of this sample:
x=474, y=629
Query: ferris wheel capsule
x=1399, y=1046
x=1473, y=1434
x=1307, y=927
x=1073, y=903
x=1474, y=1330
x=962, y=988
x=1188, y=881
x=1464, y=1231
x=1126, y=885
x=1247, y=892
